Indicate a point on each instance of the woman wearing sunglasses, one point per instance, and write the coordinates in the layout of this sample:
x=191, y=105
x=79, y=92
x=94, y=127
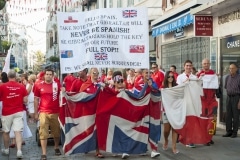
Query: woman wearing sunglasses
x=169, y=81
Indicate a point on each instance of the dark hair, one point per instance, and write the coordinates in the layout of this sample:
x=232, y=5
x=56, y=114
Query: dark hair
x=4, y=77
x=49, y=70
x=187, y=61
x=174, y=67
x=86, y=70
x=155, y=64
x=165, y=81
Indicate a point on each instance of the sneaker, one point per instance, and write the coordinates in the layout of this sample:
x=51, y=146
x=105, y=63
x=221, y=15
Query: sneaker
x=154, y=154
x=19, y=154
x=191, y=145
x=125, y=156
x=5, y=152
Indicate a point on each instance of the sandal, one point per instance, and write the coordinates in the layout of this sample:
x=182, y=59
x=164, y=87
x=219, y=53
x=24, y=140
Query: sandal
x=43, y=157
x=57, y=152
x=164, y=147
x=99, y=155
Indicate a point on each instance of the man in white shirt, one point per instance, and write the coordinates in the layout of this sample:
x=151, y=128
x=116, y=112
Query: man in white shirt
x=185, y=77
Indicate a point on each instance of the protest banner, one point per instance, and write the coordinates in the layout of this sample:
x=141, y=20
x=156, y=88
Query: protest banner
x=109, y=37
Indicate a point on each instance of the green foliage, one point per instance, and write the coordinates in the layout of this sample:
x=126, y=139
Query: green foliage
x=6, y=45
x=2, y=4
x=54, y=59
x=39, y=61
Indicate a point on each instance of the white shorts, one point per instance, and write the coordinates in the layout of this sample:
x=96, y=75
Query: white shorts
x=30, y=107
x=14, y=120
x=164, y=118
x=26, y=133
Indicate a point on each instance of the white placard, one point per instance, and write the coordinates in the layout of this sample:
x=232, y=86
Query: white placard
x=108, y=37
x=210, y=81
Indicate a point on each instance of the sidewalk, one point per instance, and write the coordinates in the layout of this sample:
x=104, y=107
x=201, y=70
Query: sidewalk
x=224, y=148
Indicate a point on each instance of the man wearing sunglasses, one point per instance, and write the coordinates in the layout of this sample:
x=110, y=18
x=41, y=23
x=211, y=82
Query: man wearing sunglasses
x=157, y=75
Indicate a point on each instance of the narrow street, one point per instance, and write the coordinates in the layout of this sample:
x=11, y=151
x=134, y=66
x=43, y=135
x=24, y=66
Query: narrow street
x=224, y=148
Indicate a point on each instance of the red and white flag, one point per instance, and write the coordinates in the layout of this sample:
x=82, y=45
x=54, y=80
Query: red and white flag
x=183, y=108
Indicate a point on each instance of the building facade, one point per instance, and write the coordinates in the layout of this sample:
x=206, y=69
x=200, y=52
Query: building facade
x=175, y=39
x=225, y=41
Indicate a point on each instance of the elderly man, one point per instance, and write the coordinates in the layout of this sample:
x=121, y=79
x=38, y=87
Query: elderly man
x=13, y=96
x=209, y=103
x=232, y=86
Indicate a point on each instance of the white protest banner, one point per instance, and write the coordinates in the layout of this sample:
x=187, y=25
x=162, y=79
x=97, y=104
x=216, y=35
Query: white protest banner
x=108, y=37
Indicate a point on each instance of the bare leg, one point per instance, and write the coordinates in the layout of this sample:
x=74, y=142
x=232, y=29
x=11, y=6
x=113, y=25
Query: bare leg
x=18, y=138
x=166, y=133
x=174, y=141
x=6, y=139
x=44, y=146
x=56, y=142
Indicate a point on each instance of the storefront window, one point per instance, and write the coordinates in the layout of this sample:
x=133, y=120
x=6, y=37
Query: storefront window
x=194, y=49
x=230, y=53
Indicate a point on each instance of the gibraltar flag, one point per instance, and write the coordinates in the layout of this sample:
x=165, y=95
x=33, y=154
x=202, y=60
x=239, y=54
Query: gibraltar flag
x=183, y=108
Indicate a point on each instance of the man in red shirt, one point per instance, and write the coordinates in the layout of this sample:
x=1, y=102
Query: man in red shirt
x=68, y=81
x=209, y=103
x=47, y=111
x=173, y=69
x=77, y=83
x=13, y=96
x=157, y=76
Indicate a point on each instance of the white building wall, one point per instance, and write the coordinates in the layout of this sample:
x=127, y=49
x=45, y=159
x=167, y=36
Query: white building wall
x=228, y=28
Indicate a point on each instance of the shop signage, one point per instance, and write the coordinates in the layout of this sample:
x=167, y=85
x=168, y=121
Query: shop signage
x=173, y=24
x=203, y=25
x=235, y=15
x=179, y=33
x=230, y=44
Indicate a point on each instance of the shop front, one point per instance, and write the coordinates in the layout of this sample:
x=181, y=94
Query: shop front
x=230, y=53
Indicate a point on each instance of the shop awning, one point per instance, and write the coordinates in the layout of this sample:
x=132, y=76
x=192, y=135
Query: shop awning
x=171, y=25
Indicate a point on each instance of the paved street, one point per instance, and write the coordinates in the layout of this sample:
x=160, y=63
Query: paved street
x=223, y=149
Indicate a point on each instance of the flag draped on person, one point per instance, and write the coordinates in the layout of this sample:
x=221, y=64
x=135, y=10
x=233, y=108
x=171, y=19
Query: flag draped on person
x=183, y=108
x=124, y=123
x=77, y=120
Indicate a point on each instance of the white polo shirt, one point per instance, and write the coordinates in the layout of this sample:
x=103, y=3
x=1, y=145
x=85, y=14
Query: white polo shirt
x=182, y=77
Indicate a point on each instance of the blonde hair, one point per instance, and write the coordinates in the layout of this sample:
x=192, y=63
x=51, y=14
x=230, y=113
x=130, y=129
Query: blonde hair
x=32, y=77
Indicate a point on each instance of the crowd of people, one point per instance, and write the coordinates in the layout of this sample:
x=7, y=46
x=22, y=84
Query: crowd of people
x=39, y=97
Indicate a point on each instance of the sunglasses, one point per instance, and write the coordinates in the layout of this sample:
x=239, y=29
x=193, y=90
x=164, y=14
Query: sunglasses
x=95, y=73
x=170, y=76
x=119, y=81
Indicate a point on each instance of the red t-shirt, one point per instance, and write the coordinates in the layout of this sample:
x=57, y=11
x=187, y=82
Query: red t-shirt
x=76, y=85
x=68, y=80
x=49, y=97
x=11, y=95
x=158, y=78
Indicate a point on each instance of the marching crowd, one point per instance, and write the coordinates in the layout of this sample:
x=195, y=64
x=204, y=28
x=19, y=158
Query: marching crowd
x=31, y=98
